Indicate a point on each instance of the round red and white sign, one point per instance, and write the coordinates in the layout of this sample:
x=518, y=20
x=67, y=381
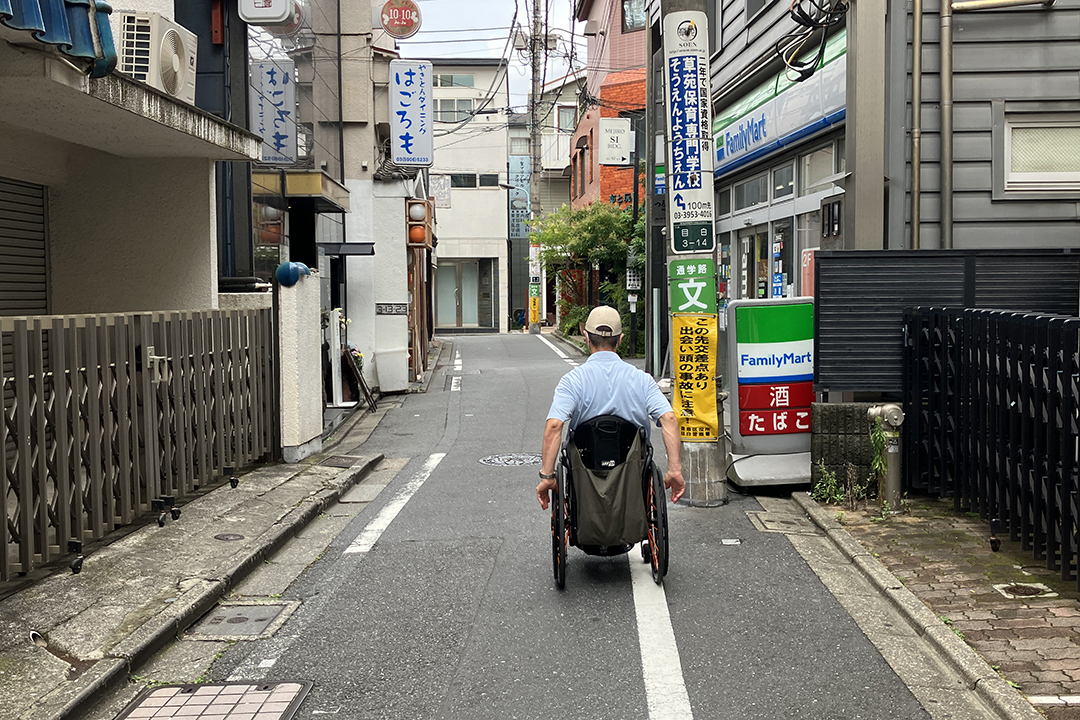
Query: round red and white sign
x=401, y=18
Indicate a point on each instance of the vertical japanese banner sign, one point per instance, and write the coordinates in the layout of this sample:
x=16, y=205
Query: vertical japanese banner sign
x=775, y=353
x=273, y=109
x=690, y=156
x=411, y=119
x=693, y=304
x=534, y=283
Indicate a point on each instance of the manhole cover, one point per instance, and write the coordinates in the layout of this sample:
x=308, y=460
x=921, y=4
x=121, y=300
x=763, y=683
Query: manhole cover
x=340, y=461
x=228, y=537
x=265, y=701
x=1019, y=591
x=511, y=459
x=242, y=621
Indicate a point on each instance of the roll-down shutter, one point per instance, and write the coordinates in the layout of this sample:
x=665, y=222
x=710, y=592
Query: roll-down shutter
x=24, y=286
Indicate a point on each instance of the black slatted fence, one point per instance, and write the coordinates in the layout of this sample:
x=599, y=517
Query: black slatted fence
x=990, y=399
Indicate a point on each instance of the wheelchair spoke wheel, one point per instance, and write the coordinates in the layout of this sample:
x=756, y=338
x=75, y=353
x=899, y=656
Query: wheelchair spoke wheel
x=558, y=531
x=658, y=535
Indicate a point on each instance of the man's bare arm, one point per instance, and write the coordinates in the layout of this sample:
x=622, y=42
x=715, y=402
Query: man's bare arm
x=673, y=479
x=549, y=454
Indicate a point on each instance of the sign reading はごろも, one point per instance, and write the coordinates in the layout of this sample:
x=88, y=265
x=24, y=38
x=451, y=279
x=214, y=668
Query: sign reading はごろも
x=411, y=117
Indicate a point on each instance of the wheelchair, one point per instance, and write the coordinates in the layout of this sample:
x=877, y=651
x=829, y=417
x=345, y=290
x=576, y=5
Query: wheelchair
x=608, y=495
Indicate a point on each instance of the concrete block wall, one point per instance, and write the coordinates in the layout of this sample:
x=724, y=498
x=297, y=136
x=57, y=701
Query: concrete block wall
x=840, y=433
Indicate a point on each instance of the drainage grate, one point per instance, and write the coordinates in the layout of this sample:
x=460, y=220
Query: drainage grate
x=265, y=701
x=340, y=461
x=511, y=459
x=242, y=621
x=781, y=523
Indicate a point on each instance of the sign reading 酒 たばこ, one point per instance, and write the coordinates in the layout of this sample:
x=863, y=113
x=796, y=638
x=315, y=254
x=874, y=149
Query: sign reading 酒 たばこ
x=773, y=361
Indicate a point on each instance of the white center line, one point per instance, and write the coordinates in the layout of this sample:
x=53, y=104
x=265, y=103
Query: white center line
x=374, y=529
x=661, y=668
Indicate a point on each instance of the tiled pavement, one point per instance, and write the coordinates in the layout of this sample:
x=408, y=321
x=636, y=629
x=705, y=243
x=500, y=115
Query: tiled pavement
x=945, y=559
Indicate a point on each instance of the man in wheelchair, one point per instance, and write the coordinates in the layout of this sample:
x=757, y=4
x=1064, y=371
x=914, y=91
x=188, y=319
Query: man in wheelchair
x=610, y=406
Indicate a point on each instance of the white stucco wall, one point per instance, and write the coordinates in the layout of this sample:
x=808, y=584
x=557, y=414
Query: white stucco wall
x=133, y=234
x=391, y=284
x=300, y=345
x=360, y=277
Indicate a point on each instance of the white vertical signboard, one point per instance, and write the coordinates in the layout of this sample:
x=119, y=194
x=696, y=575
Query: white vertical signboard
x=689, y=150
x=411, y=116
x=273, y=109
x=614, y=141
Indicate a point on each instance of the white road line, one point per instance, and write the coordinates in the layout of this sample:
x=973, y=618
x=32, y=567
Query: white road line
x=553, y=346
x=455, y=384
x=665, y=689
x=374, y=529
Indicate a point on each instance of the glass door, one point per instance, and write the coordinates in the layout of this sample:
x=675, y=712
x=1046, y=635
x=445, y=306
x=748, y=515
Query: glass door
x=457, y=293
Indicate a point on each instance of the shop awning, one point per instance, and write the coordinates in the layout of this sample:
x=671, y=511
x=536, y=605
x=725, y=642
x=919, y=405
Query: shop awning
x=329, y=195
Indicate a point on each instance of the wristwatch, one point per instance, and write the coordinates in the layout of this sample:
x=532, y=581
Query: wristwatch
x=546, y=476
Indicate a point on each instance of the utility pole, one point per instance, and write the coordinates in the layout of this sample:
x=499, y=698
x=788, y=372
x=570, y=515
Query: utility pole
x=537, y=46
x=691, y=248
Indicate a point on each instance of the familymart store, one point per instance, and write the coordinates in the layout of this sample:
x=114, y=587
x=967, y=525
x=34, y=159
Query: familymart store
x=779, y=164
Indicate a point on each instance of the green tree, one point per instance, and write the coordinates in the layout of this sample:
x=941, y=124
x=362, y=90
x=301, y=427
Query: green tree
x=574, y=240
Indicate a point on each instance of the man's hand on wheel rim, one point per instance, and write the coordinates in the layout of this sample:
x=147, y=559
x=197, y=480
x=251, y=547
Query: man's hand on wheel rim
x=543, y=491
x=673, y=481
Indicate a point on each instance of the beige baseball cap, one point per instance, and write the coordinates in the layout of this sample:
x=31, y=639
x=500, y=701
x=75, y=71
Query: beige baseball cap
x=604, y=321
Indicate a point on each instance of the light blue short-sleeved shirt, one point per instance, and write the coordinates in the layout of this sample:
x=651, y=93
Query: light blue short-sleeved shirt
x=605, y=385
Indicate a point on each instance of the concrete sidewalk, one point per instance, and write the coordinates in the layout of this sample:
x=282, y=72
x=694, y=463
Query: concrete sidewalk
x=136, y=594
x=66, y=639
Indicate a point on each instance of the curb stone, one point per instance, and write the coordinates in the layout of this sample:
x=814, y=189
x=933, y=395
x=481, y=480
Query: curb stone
x=987, y=685
x=144, y=641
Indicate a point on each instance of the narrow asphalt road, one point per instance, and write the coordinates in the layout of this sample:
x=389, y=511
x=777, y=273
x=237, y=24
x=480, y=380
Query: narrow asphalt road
x=437, y=601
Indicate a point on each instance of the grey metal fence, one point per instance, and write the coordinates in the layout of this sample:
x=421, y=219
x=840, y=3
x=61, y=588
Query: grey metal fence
x=101, y=415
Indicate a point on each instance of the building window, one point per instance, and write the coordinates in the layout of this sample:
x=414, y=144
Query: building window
x=519, y=146
x=783, y=181
x=633, y=15
x=752, y=192
x=489, y=180
x=753, y=7
x=814, y=167
x=590, y=156
x=724, y=202
x=451, y=110
x=462, y=180
x=444, y=80
x=567, y=118
x=1042, y=153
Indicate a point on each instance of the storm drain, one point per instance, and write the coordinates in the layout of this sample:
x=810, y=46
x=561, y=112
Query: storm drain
x=340, y=461
x=242, y=621
x=511, y=459
x=264, y=701
x=781, y=523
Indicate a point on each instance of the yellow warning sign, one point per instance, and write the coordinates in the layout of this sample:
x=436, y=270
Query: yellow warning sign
x=694, y=378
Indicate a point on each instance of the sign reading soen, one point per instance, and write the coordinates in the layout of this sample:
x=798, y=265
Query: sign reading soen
x=773, y=358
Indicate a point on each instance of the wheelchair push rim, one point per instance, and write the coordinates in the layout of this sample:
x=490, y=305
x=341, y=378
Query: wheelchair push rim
x=559, y=535
x=656, y=553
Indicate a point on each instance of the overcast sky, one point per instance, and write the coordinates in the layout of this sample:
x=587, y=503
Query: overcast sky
x=480, y=28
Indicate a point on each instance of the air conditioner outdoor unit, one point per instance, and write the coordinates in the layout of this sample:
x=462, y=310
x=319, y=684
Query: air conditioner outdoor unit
x=160, y=53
